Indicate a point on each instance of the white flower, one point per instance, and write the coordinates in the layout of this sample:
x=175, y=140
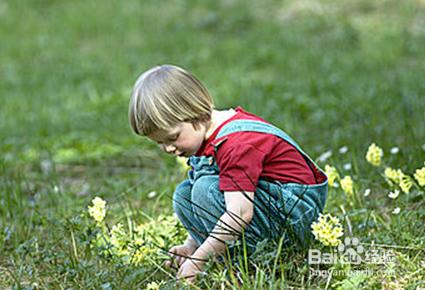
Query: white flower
x=394, y=194
x=324, y=156
x=366, y=192
x=394, y=150
x=396, y=210
x=152, y=194
x=343, y=150
x=347, y=166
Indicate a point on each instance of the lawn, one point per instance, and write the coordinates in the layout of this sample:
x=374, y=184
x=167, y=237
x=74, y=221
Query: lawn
x=335, y=75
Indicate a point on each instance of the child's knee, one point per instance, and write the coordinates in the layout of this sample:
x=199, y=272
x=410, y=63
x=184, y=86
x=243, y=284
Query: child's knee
x=182, y=197
x=204, y=189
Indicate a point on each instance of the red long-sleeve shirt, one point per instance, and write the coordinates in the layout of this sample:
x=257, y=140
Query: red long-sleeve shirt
x=244, y=157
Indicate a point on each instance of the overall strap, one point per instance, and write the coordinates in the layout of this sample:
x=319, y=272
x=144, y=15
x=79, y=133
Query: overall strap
x=260, y=127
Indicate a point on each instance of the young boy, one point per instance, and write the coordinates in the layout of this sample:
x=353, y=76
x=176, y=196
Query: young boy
x=247, y=175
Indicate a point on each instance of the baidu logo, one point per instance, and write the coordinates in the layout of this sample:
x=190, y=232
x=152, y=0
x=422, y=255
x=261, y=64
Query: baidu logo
x=351, y=251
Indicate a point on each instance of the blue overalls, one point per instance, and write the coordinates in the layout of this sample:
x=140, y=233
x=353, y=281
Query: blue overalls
x=280, y=209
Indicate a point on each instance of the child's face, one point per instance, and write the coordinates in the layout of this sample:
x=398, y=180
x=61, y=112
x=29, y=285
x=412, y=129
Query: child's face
x=182, y=140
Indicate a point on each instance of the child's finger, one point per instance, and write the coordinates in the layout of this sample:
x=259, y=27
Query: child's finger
x=181, y=261
x=170, y=265
x=173, y=250
x=172, y=254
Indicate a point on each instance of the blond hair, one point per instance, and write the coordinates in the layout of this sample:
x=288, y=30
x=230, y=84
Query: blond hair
x=167, y=95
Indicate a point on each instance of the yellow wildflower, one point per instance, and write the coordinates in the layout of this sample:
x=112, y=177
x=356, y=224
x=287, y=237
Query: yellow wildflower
x=139, y=254
x=406, y=183
x=154, y=285
x=374, y=155
x=119, y=240
x=327, y=230
x=149, y=236
x=347, y=185
x=420, y=176
x=393, y=175
x=398, y=177
x=332, y=175
x=98, y=210
x=142, y=245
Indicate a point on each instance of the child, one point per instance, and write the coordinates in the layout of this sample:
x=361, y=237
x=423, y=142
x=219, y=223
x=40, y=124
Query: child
x=248, y=177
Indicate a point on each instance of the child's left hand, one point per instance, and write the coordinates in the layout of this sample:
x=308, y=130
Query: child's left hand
x=189, y=269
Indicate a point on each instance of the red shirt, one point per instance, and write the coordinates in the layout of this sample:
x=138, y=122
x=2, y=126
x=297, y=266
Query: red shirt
x=244, y=157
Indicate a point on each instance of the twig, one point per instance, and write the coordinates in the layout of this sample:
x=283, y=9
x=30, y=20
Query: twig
x=350, y=231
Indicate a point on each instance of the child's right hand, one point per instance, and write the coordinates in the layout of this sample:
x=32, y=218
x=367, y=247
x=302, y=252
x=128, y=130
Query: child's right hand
x=179, y=255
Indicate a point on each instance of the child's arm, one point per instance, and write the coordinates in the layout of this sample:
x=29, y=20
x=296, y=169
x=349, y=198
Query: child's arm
x=239, y=212
x=190, y=242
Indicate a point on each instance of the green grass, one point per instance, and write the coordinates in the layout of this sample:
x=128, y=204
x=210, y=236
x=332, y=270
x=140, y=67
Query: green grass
x=330, y=73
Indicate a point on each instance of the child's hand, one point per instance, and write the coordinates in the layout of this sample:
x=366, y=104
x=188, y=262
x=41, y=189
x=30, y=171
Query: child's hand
x=179, y=254
x=189, y=269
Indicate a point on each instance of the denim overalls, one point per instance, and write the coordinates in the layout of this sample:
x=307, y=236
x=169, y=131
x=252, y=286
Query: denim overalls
x=280, y=209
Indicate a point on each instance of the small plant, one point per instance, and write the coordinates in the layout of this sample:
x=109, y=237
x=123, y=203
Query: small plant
x=143, y=244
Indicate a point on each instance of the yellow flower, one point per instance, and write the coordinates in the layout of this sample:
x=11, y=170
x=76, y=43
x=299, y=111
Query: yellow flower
x=327, y=230
x=119, y=240
x=398, y=177
x=393, y=175
x=406, y=183
x=143, y=244
x=374, y=155
x=139, y=254
x=420, y=176
x=98, y=210
x=347, y=185
x=154, y=285
x=332, y=175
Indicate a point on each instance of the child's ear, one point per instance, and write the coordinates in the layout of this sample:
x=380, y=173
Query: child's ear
x=203, y=120
x=198, y=124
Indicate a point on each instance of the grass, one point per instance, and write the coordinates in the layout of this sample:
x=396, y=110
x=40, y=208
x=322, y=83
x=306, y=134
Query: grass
x=330, y=74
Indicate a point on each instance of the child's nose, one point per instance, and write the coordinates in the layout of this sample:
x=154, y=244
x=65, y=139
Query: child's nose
x=169, y=148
